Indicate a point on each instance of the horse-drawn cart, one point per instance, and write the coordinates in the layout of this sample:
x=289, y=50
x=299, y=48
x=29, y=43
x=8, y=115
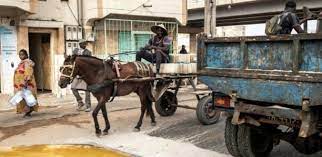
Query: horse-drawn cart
x=167, y=104
x=167, y=86
x=108, y=78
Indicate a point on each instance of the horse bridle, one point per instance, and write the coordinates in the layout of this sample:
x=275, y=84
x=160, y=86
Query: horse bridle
x=70, y=76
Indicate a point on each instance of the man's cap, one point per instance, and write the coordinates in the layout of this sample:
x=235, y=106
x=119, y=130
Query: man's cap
x=156, y=27
x=82, y=41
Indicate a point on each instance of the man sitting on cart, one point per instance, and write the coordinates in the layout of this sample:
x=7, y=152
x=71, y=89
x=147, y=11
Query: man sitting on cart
x=157, y=50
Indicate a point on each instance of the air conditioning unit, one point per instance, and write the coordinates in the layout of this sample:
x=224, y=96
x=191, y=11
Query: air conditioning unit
x=69, y=48
x=68, y=31
x=80, y=33
x=74, y=32
x=75, y=45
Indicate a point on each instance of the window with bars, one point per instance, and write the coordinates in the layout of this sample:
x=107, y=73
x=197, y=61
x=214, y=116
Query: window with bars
x=125, y=37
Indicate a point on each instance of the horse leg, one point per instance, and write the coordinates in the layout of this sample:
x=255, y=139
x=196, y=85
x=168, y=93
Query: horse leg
x=150, y=110
x=143, y=108
x=107, y=123
x=94, y=114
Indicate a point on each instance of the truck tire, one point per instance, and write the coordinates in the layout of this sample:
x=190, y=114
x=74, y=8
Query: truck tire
x=231, y=138
x=253, y=143
x=308, y=146
x=164, y=106
x=205, y=113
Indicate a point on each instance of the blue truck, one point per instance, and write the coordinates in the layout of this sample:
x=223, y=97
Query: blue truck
x=269, y=87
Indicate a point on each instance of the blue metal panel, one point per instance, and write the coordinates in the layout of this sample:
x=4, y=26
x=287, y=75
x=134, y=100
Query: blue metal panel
x=283, y=92
x=311, y=56
x=224, y=55
x=270, y=55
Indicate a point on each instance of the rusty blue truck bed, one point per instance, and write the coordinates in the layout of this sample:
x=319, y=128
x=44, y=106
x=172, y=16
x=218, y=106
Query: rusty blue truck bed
x=278, y=69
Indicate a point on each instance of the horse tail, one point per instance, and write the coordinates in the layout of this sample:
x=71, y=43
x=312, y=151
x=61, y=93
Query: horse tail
x=148, y=108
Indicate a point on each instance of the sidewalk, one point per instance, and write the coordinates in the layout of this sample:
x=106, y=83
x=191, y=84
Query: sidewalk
x=45, y=100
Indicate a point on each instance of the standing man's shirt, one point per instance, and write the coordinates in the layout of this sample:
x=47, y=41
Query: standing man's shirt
x=80, y=51
x=288, y=21
x=78, y=83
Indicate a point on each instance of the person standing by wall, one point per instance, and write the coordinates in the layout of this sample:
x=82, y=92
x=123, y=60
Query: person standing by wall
x=24, y=79
x=183, y=50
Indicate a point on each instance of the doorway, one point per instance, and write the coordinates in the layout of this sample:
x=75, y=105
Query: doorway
x=39, y=51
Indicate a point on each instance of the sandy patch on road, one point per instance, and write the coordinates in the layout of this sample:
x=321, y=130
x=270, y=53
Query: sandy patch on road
x=8, y=132
x=134, y=143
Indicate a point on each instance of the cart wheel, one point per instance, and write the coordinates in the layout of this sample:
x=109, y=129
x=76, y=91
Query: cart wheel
x=205, y=113
x=163, y=105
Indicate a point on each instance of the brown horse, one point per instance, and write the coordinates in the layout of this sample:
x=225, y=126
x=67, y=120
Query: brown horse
x=95, y=71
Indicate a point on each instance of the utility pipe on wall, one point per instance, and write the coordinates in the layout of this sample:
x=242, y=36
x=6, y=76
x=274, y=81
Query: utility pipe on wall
x=210, y=18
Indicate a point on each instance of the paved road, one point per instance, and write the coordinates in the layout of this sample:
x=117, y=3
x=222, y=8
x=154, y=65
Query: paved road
x=181, y=133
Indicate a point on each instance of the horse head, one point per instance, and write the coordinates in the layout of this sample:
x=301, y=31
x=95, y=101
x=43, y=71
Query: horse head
x=68, y=71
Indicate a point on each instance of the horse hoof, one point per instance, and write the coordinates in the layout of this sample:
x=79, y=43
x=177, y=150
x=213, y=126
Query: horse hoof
x=136, y=129
x=98, y=135
x=153, y=124
x=105, y=133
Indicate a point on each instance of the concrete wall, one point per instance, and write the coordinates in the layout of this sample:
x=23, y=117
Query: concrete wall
x=25, y=5
x=56, y=10
x=99, y=48
x=230, y=31
x=22, y=37
x=193, y=43
x=93, y=10
x=200, y=3
x=165, y=8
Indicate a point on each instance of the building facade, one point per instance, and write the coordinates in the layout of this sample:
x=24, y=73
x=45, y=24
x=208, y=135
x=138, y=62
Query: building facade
x=200, y=3
x=126, y=24
x=38, y=27
x=225, y=31
x=48, y=29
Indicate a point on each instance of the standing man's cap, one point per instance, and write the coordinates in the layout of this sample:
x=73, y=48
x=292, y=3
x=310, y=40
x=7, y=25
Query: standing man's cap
x=290, y=4
x=155, y=28
x=82, y=41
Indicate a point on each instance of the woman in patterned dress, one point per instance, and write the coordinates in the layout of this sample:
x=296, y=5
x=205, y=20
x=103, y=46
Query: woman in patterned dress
x=24, y=78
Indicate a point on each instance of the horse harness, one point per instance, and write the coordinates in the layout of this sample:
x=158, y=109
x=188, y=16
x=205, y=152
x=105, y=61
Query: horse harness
x=70, y=76
x=115, y=65
x=141, y=68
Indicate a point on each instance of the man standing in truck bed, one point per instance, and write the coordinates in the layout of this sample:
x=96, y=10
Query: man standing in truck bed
x=290, y=20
